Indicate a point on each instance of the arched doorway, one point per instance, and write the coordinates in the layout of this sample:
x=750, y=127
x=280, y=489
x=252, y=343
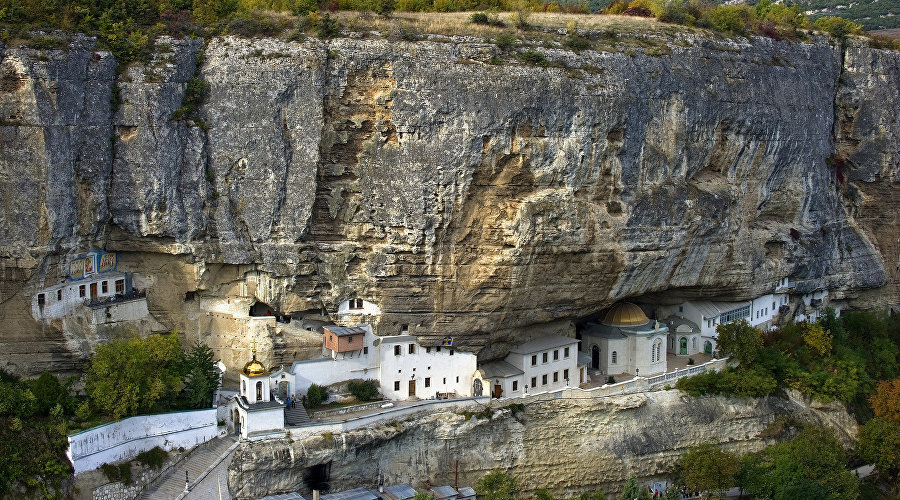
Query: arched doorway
x=682, y=347
x=283, y=389
x=707, y=348
x=595, y=357
x=259, y=391
x=476, y=388
x=236, y=420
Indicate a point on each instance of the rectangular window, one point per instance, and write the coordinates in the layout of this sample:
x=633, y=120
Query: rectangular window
x=534, y=360
x=735, y=314
x=396, y=385
x=59, y=294
x=544, y=357
x=773, y=305
x=566, y=374
x=438, y=349
x=412, y=348
x=350, y=339
x=82, y=291
x=544, y=379
x=120, y=287
x=556, y=355
x=680, y=309
x=396, y=351
x=365, y=350
x=427, y=381
x=445, y=380
x=451, y=352
x=457, y=379
x=356, y=303
x=566, y=352
x=42, y=299
x=427, y=350
x=533, y=381
x=556, y=376
x=404, y=328
x=104, y=286
x=515, y=385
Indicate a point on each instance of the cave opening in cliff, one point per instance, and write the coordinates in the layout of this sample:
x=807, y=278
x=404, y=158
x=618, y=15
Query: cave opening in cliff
x=260, y=308
x=318, y=477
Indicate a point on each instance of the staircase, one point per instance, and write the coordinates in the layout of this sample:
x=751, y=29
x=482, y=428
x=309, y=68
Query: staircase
x=197, y=463
x=295, y=417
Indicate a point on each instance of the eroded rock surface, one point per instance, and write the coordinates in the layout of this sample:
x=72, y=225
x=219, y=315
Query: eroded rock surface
x=463, y=198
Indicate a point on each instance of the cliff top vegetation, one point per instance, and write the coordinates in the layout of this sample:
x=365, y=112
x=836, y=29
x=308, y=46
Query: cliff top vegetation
x=128, y=29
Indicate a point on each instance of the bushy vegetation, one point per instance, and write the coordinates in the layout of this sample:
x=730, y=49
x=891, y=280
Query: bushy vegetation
x=497, y=485
x=835, y=359
x=153, y=458
x=33, y=434
x=364, y=390
x=315, y=396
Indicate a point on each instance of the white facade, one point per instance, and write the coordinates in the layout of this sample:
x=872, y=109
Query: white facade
x=357, y=306
x=639, y=350
x=407, y=369
x=59, y=300
x=547, y=363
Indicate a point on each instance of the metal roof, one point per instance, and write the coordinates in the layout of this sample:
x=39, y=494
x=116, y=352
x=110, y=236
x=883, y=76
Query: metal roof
x=499, y=369
x=345, y=330
x=284, y=496
x=543, y=343
x=398, y=492
x=354, y=494
x=441, y=492
x=466, y=493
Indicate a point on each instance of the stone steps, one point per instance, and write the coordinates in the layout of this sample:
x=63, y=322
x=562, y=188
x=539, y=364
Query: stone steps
x=295, y=417
x=196, y=463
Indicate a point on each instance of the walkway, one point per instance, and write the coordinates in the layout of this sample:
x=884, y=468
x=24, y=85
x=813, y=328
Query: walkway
x=203, y=466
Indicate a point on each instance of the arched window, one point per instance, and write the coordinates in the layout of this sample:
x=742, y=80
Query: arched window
x=259, y=391
x=694, y=343
x=243, y=388
x=614, y=357
x=656, y=351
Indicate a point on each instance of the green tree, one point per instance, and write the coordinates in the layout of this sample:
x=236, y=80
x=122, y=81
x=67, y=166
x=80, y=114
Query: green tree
x=634, y=491
x=879, y=443
x=543, y=494
x=708, y=468
x=132, y=376
x=315, y=395
x=816, y=337
x=740, y=341
x=201, y=377
x=497, y=485
x=364, y=390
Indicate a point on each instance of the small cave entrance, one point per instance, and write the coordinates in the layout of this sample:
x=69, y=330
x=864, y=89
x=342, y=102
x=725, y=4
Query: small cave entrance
x=318, y=477
x=260, y=308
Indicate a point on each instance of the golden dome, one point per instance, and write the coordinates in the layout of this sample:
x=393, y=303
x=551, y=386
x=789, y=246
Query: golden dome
x=625, y=314
x=254, y=367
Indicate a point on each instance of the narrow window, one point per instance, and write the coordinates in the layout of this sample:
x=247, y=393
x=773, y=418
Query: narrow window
x=544, y=357
x=120, y=287
x=566, y=374
x=243, y=387
x=614, y=356
x=365, y=350
x=427, y=381
x=533, y=381
x=397, y=352
x=438, y=349
x=259, y=391
x=42, y=299
x=104, y=286
x=350, y=339
x=457, y=379
x=396, y=385
x=451, y=353
x=556, y=355
x=544, y=379
x=515, y=385
x=566, y=352
x=427, y=350
x=59, y=294
x=81, y=291
x=445, y=380
x=680, y=308
x=534, y=360
x=556, y=376
x=412, y=348
x=773, y=305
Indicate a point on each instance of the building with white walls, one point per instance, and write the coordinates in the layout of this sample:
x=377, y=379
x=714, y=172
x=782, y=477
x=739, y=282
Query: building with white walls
x=544, y=364
x=256, y=409
x=626, y=341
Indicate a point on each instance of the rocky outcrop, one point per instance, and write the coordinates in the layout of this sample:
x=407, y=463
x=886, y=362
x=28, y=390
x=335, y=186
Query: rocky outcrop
x=462, y=196
x=568, y=446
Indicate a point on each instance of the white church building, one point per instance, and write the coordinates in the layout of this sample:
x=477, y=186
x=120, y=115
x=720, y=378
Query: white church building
x=626, y=341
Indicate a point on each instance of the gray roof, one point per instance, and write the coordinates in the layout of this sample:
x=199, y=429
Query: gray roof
x=355, y=494
x=499, y=369
x=284, y=496
x=603, y=331
x=674, y=322
x=261, y=405
x=440, y=492
x=543, y=343
x=584, y=359
x=398, y=492
x=466, y=492
x=345, y=330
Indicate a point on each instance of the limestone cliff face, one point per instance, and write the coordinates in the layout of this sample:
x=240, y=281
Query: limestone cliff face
x=567, y=446
x=463, y=198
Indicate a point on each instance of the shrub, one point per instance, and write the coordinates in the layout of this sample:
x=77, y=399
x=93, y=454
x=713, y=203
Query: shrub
x=497, y=485
x=838, y=27
x=505, y=41
x=611, y=380
x=690, y=361
x=315, y=395
x=117, y=473
x=533, y=57
x=364, y=390
x=153, y=457
x=479, y=18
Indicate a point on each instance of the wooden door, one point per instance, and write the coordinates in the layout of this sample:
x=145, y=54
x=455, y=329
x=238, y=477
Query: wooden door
x=93, y=290
x=498, y=391
x=412, y=388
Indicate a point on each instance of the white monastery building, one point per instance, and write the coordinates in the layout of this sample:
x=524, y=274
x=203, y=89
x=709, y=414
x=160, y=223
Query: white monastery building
x=544, y=364
x=626, y=341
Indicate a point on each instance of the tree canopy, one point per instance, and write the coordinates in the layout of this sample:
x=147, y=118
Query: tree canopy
x=740, y=341
x=706, y=467
x=497, y=485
